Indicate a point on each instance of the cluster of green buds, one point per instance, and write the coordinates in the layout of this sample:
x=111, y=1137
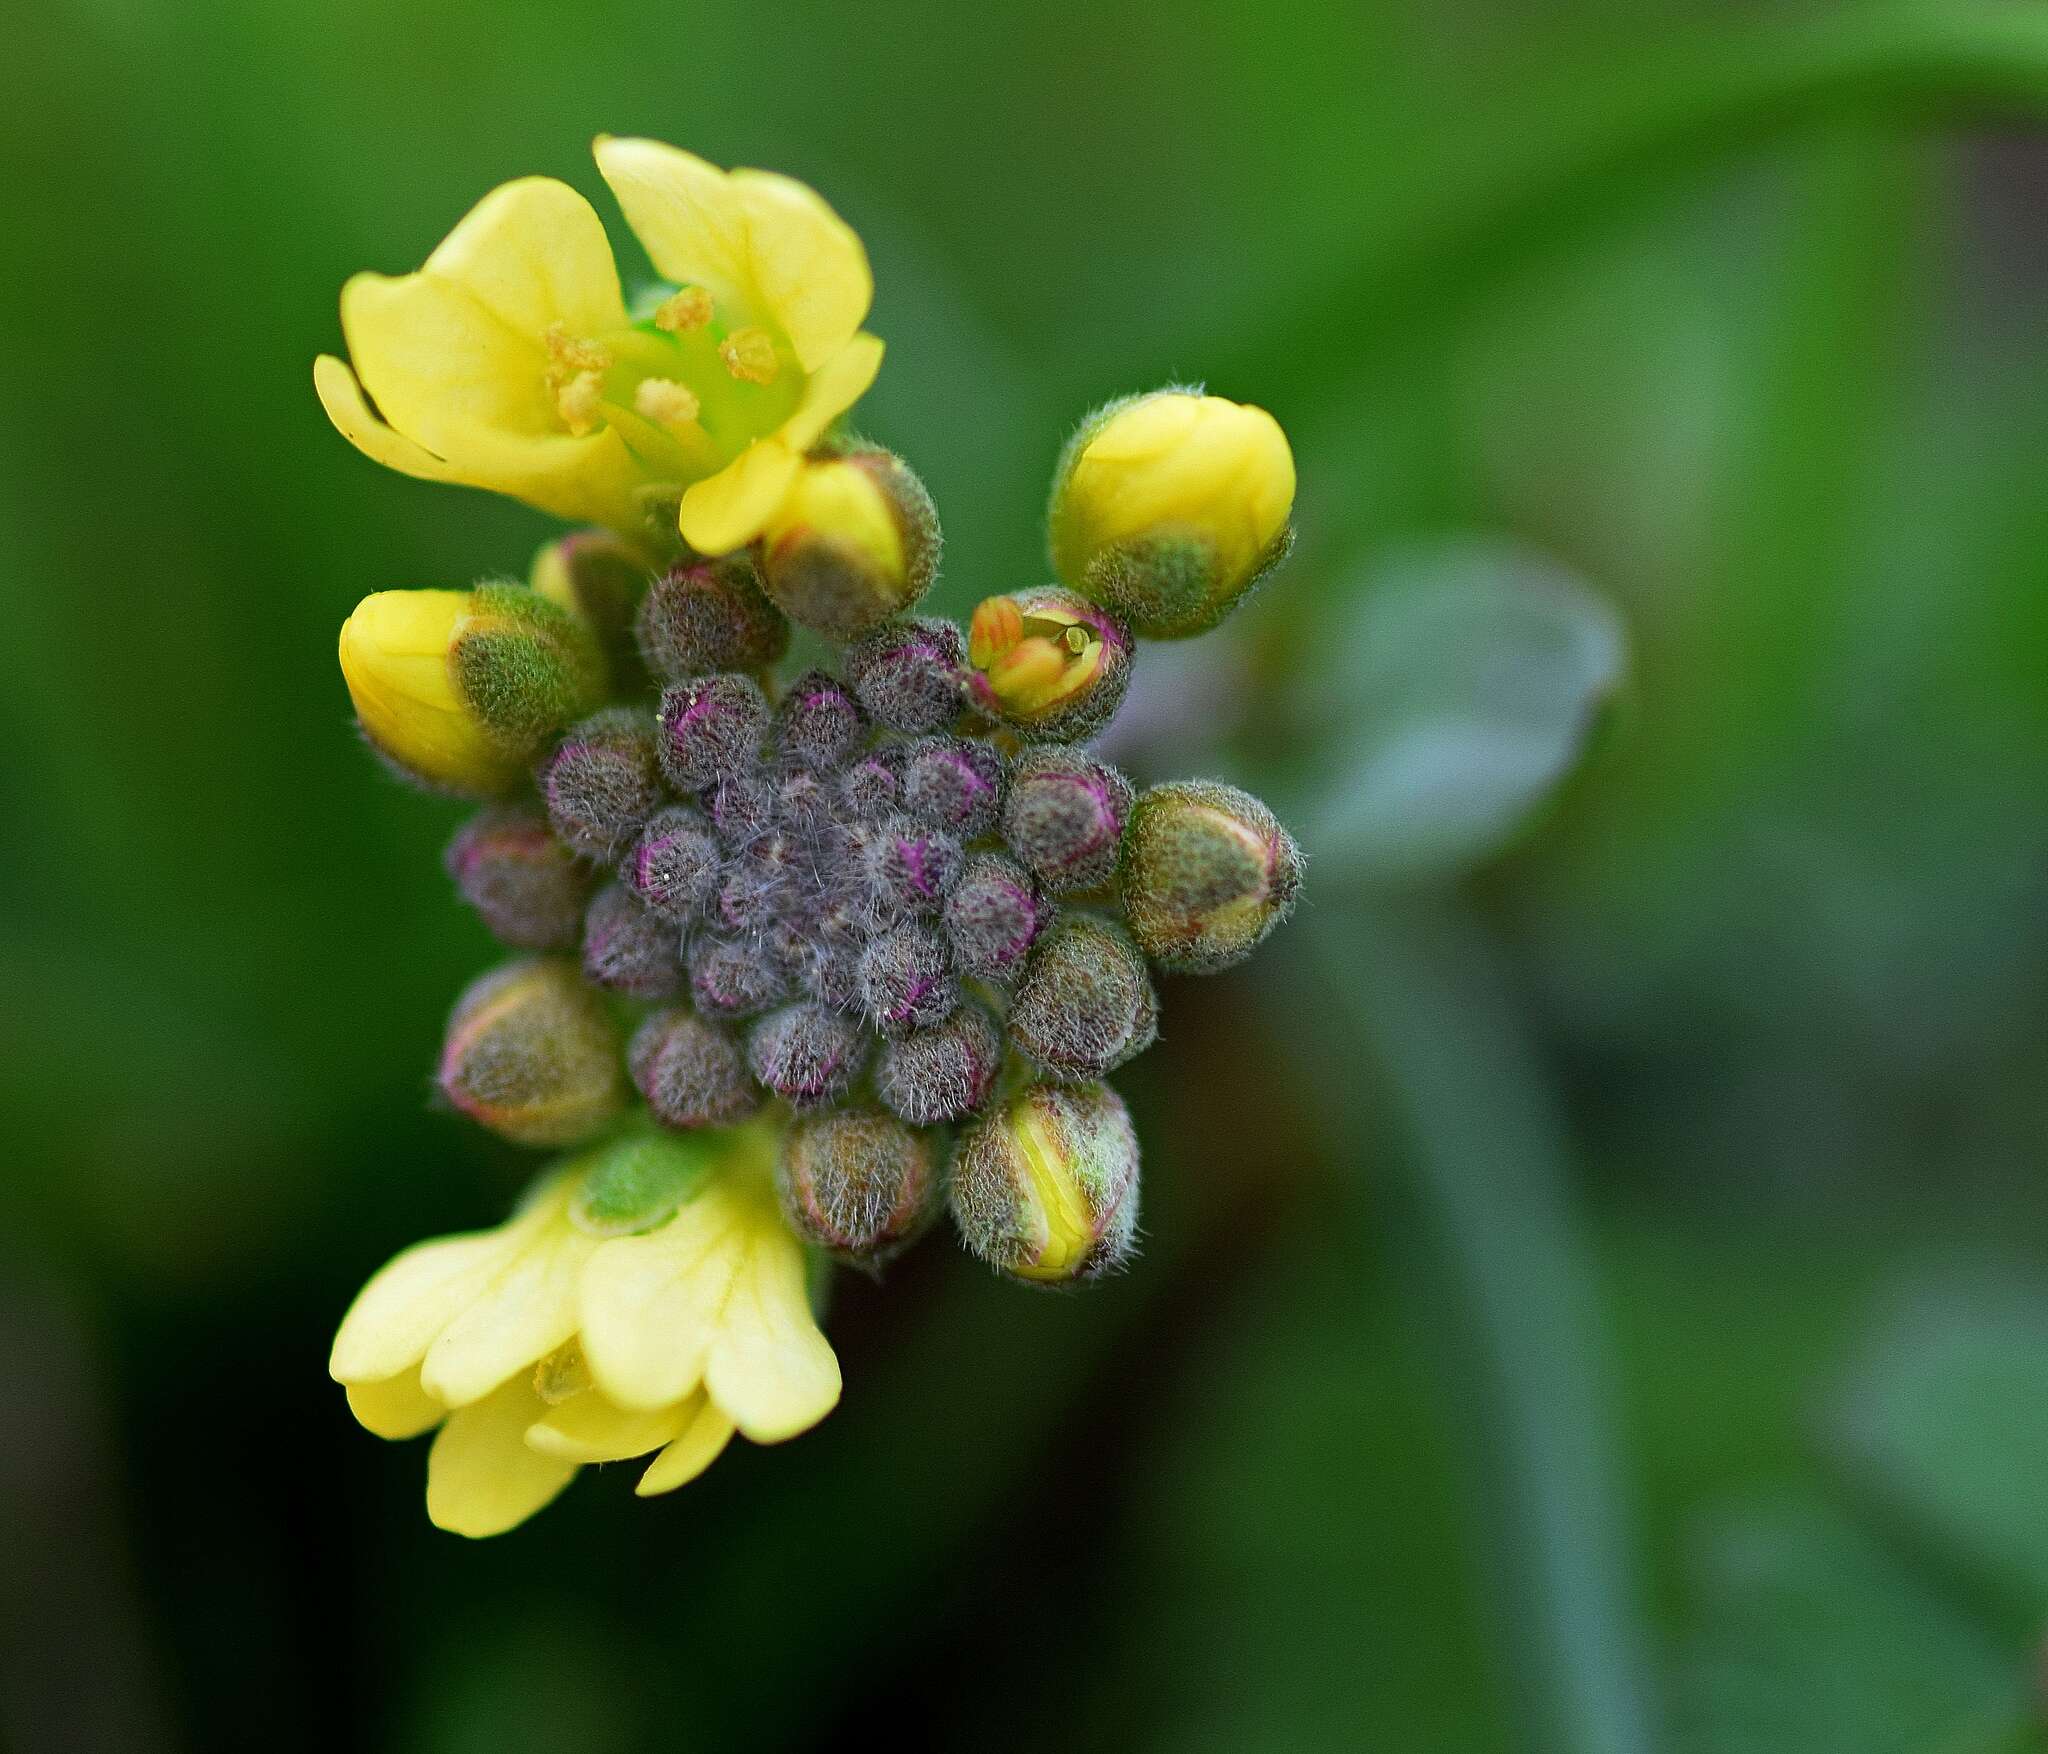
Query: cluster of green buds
x=892, y=906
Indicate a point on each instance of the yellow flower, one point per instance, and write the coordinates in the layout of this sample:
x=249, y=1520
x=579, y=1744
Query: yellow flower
x=511, y=362
x=541, y=1345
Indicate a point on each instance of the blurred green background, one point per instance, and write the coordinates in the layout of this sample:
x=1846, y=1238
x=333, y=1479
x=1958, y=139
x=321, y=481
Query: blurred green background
x=1596, y=1297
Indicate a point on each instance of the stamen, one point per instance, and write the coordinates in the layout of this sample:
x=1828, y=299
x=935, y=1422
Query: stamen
x=683, y=311
x=575, y=353
x=578, y=402
x=666, y=402
x=749, y=354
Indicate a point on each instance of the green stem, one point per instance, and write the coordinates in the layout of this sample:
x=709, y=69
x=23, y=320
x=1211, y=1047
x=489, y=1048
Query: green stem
x=1413, y=991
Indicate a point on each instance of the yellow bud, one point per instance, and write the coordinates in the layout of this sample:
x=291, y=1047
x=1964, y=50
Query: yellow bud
x=854, y=542
x=1167, y=507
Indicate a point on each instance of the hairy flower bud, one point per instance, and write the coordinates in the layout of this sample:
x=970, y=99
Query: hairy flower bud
x=858, y=1183
x=1045, y=1188
x=690, y=1072
x=1086, y=1004
x=910, y=675
x=807, y=1053
x=601, y=578
x=1064, y=816
x=711, y=728
x=904, y=980
x=954, y=783
x=1048, y=660
x=911, y=867
x=707, y=616
x=804, y=801
x=855, y=541
x=629, y=948
x=993, y=917
x=673, y=867
x=733, y=977
x=1207, y=872
x=743, y=809
x=819, y=724
x=527, y=887
x=602, y=782
x=1167, y=507
x=531, y=1053
x=460, y=689
x=939, y=1074
x=874, y=783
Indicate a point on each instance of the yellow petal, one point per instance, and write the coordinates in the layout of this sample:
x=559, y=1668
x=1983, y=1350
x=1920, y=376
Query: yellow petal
x=648, y=1304
x=700, y=1444
x=839, y=383
x=807, y=263
x=589, y=1428
x=525, y=1310
x=770, y=1368
x=397, y=1316
x=728, y=510
x=482, y=1479
x=685, y=212
x=395, y=1407
x=533, y=252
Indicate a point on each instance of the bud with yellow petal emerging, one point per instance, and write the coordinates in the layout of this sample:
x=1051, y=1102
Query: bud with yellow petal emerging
x=1166, y=508
x=1045, y=1187
x=1207, y=871
x=461, y=689
x=855, y=542
x=532, y=1053
x=1049, y=661
x=600, y=578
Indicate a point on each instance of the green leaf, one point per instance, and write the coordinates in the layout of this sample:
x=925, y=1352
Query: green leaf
x=638, y=1183
x=1470, y=678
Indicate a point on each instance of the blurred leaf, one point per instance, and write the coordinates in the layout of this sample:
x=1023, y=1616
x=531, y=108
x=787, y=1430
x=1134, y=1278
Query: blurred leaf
x=1470, y=678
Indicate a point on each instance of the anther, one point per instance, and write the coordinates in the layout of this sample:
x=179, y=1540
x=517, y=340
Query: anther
x=749, y=354
x=683, y=311
x=666, y=402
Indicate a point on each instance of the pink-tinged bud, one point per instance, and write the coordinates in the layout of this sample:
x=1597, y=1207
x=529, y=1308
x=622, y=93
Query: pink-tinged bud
x=910, y=675
x=955, y=783
x=602, y=782
x=734, y=976
x=856, y=540
x=743, y=809
x=911, y=867
x=1207, y=872
x=1045, y=1187
x=874, y=783
x=1086, y=1004
x=525, y=885
x=532, y=1054
x=673, y=867
x=859, y=1183
x=905, y=983
x=711, y=729
x=1049, y=661
x=942, y=1073
x=819, y=724
x=628, y=948
x=600, y=578
x=993, y=917
x=1064, y=817
x=807, y=1053
x=709, y=616
x=690, y=1072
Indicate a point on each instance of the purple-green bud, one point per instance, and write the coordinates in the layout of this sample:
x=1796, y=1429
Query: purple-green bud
x=993, y=917
x=807, y=1053
x=1086, y=1004
x=1049, y=661
x=711, y=728
x=709, y=615
x=601, y=577
x=1064, y=817
x=858, y=1183
x=733, y=977
x=1207, y=872
x=628, y=948
x=601, y=782
x=911, y=867
x=855, y=541
x=819, y=724
x=527, y=887
x=944, y=1072
x=673, y=867
x=955, y=783
x=1045, y=1187
x=904, y=980
x=532, y=1054
x=690, y=1072
x=910, y=675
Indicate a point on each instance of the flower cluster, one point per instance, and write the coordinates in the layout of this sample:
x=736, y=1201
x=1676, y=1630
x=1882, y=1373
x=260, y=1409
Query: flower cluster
x=803, y=961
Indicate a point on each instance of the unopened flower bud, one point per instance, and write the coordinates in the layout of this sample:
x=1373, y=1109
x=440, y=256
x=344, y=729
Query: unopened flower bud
x=858, y=1183
x=1207, y=872
x=527, y=887
x=690, y=1072
x=460, y=689
x=629, y=948
x=1167, y=507
x=993, y=917
x=954, y=783
x=709, y=616
x=673, y=867
x=939, y=1074
x=910, y=675
x=602, y=782
x=1048, y=660
x=743, y=809
x=732, y=976
x=905, y=983
x=711, y=728
x=1064, y=816
x=807, y=1053
x=804, y=800
x=601, y=578
x=874, y=783
x=1045, y=1188
x=819, y=724
x=855, y=542
x=912, y=866
x=531, y=1053
x=1086, y=1004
